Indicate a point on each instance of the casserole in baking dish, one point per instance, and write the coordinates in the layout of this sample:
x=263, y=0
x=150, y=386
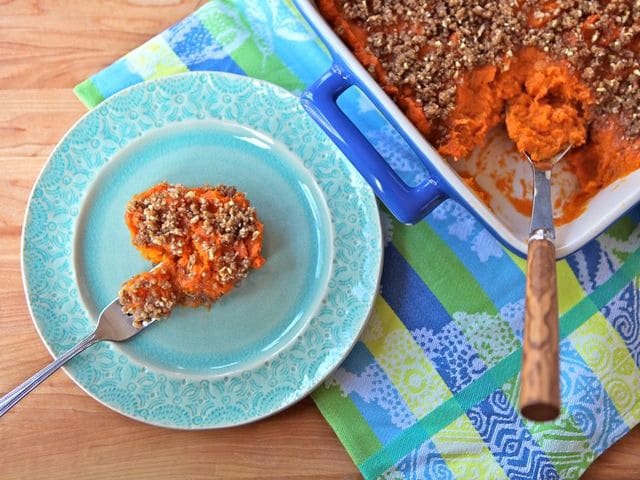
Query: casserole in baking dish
x=504, y=212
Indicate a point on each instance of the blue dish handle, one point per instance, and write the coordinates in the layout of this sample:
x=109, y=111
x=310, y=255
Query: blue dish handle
x=408, y=204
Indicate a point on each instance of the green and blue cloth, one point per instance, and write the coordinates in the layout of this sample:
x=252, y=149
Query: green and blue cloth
x=430, y=390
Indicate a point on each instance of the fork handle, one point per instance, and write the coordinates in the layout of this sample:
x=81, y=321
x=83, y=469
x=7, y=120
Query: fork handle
x=18, y=393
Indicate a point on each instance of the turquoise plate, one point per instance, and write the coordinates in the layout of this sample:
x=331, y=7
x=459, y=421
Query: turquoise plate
x=270, y=341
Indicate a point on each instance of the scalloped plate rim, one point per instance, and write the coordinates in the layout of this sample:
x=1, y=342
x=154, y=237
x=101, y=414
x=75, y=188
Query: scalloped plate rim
x=301, y=394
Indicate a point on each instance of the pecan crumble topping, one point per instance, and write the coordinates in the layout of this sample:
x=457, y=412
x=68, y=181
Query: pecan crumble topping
x=206, y=240
x=427, y=45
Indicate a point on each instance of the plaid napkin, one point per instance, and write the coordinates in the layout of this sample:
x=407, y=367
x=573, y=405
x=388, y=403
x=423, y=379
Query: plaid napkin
x=430, y=390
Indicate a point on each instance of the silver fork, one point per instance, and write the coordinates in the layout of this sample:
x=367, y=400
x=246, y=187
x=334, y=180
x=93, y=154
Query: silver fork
x=113, y=325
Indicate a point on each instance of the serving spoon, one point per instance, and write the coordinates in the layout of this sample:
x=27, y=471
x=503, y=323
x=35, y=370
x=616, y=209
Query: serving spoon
x=113, y=325
x=540, y=379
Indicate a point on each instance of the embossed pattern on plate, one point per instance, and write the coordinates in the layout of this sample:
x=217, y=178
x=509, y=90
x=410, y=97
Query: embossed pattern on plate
x=168, y=399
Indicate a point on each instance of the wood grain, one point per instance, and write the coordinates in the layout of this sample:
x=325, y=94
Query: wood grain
x=58, y=432
x=540, y=381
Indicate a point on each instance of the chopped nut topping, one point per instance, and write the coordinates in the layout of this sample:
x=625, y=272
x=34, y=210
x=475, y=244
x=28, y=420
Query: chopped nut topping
x=168, y=215
x=205, y=239
x=148, y=296
x=427, y=45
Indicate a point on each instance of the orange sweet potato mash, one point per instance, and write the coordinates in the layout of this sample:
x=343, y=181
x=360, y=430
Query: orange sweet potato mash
x=542, y=99
x=204, y=241
x=544, y=107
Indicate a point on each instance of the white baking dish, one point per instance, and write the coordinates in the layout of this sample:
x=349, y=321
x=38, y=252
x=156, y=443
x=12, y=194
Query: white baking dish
x=410, y=204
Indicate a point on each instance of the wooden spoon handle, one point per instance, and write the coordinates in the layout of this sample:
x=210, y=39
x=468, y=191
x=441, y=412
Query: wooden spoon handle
x=540, y=381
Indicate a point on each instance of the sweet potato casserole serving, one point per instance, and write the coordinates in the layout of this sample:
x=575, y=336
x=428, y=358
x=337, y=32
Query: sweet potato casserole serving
x=556, y=73
x=204, y=241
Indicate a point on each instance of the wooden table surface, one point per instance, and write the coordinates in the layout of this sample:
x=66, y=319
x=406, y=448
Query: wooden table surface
x=58, y=432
